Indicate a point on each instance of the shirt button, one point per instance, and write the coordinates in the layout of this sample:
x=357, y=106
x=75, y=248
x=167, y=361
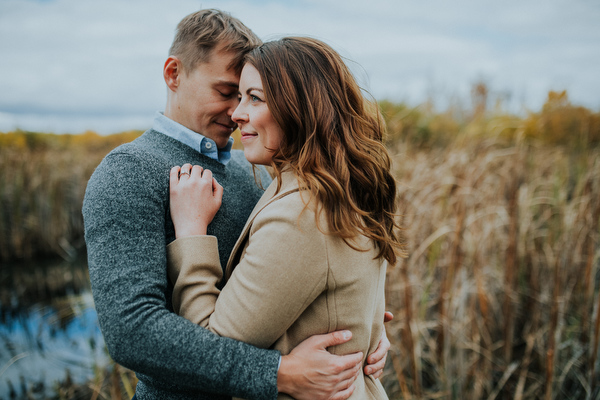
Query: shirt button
x=208, y=145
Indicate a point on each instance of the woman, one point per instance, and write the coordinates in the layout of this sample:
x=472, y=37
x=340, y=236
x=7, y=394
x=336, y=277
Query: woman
x=312, y=257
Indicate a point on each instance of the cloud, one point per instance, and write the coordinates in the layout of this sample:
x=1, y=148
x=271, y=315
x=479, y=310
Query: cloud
x=68, y=61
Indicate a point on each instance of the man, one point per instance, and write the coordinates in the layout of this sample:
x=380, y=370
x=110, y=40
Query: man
x=127, y=227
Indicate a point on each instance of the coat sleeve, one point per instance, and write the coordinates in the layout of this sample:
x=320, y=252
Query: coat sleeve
x=283, y=270
x=195, y=269
x=124, y=214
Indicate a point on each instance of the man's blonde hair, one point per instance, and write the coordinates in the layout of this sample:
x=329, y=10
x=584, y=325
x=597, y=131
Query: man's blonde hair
x=203, y=31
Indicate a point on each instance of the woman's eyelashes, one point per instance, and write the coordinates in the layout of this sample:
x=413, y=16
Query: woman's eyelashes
x=253, y=98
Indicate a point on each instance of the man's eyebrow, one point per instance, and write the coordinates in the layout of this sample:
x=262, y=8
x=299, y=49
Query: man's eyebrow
x=227, y=83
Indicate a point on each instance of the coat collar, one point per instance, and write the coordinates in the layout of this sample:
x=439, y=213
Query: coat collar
x=289, y=184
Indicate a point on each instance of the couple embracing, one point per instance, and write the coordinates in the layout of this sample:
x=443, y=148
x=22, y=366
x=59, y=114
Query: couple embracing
x=209, y=286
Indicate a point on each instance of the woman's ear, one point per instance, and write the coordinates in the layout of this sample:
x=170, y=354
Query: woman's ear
x=171, y=72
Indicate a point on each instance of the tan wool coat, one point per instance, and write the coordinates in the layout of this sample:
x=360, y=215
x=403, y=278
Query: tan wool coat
x=286, y=281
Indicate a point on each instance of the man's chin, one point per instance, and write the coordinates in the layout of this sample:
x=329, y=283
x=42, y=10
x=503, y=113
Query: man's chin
x=220, y=135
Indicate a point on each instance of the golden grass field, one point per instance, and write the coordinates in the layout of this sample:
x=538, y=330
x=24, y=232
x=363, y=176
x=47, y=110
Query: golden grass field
x=499, y=295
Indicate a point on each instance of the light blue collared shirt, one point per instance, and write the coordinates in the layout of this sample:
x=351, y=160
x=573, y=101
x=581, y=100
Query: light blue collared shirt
x=196, y=141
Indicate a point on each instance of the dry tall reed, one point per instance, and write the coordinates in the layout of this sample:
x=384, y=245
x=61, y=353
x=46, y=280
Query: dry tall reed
x=496, y=296
x=42, y=183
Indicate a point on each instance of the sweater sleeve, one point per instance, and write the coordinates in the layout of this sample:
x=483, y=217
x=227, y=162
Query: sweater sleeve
x=124, y=210
x=283, y=270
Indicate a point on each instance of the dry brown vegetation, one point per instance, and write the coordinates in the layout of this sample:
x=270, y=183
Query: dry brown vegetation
x=42, y=183
x=499, y=296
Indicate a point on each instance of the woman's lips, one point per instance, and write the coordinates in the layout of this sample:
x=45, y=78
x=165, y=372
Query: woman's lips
x=246, y=135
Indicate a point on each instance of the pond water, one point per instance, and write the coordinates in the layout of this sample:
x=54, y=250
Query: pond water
x=48, y=328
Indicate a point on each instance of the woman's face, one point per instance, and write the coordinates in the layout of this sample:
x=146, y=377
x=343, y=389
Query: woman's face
x=261, y=135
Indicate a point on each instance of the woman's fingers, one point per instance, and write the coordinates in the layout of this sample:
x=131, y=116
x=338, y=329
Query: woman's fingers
x=206, y=174
x=196, y=171
x=217, y=189
x=195, y=198
x=191, y=174
x=174, y=178
x=185, y=171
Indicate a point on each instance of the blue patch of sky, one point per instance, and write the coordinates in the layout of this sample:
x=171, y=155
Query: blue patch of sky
x=501, y=40
x=287, y=3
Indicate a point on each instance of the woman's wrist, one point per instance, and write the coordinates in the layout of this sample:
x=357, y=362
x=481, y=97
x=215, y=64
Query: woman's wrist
x=197, y=231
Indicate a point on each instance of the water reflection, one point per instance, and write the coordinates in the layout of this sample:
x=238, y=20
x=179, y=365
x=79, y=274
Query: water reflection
x=48, y=328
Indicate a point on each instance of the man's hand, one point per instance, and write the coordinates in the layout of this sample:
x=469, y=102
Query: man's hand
x=310, y=372
x=376, y=360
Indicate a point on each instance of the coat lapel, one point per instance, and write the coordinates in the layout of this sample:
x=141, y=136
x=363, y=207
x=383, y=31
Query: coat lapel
x=289, y=184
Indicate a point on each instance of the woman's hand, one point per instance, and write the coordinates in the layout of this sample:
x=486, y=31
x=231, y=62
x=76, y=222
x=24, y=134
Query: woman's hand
x=195, y=198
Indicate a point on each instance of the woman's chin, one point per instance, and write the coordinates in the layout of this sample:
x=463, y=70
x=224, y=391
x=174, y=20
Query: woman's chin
x=258, y=159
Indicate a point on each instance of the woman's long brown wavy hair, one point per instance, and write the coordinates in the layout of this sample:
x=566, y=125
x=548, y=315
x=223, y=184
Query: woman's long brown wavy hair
x=333, y=139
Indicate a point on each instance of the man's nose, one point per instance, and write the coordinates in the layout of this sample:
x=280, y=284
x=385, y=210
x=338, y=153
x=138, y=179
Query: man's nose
x=232, y=106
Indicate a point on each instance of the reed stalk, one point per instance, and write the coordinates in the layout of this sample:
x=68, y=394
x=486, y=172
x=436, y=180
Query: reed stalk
x=594, y=356
x=407, y=337
x=551, y=355
x=510, y=270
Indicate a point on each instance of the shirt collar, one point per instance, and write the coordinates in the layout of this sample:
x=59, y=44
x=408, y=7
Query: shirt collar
x=195, y=140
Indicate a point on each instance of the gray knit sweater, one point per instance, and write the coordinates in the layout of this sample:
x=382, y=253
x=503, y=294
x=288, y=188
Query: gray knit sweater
x=127, y=226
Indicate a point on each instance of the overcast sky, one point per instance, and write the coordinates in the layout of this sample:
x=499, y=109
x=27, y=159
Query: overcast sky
x=71, y=65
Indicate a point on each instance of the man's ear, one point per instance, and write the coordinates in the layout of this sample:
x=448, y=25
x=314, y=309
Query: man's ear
x=171, y=72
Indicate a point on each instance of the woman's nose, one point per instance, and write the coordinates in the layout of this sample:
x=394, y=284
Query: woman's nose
x=239, y=114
